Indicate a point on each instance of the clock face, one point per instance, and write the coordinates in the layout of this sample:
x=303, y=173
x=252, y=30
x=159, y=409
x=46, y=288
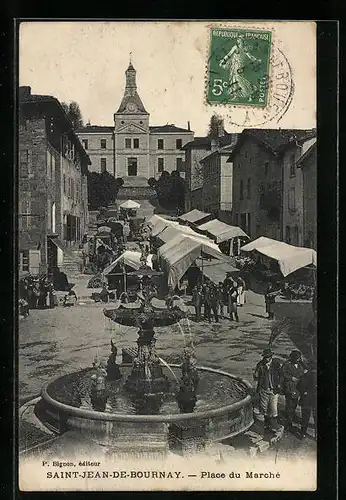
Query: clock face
x=131, y=106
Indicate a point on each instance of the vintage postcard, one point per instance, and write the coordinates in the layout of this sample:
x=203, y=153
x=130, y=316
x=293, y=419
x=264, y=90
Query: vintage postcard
x=167, y=256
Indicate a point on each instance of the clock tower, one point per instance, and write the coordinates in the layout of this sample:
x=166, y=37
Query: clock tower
x=131, y=132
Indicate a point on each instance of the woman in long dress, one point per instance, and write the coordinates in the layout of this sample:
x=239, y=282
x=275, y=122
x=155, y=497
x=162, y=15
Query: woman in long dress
x=236, y=60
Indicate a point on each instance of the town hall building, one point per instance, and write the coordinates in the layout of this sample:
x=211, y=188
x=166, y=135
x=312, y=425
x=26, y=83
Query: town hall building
x=132, y=147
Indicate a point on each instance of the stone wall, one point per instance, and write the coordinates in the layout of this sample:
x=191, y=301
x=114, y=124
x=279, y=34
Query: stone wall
x=33, y=187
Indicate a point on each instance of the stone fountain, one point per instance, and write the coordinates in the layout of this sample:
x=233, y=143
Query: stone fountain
x=148, y=405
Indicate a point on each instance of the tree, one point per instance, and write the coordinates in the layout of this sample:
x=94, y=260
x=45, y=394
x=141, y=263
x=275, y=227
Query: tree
x=170, y=190
x=74, y=113
x=215, y=126
x=103, y=189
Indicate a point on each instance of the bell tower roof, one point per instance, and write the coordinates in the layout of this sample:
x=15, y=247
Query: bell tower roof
x=131, y=101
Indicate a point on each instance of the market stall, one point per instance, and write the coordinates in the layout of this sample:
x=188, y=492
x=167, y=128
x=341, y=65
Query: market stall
x=117, y=274
x=195, y=217
x=288, y=257
x=177, y=255
x=229, y=237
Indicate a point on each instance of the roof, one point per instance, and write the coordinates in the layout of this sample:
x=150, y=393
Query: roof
x=221, y=231
x=205, y=142
x=161, y=129
x=198, y=142
x=306, y=154
x=289, y=257
x=134, y=98
x=274, y=140
x=95, y=129
x=27, y=98
x=194, y=216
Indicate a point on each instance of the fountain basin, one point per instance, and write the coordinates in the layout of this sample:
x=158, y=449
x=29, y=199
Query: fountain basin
x=209, y=422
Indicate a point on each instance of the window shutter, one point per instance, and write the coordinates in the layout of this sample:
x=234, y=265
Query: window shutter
x=34, y=261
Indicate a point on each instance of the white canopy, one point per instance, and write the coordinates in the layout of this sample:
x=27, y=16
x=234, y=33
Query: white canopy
x=194, y=216
x=158, y=224
x=289, y=257
x=170, y=232
x=130, y=204
x=128, y=258
x=221, y=231
x=177, y=255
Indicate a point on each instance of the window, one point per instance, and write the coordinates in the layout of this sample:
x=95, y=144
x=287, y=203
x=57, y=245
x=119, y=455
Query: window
x=103, y=144
x=266, y=168
x=48, y=164
x=24, y=163
x=132, y=166
x=103, y=165
x=293, y=166
x=292, y=199
x=296, y=235
x=25, y=212
x=179, y=165
x=236, y=219
x=85, y=143
x=135, y=143
x=288, y=234
x=249, y=224
x=24, y=260
x=249, y=188
x=160, y=165
x=128, y=143
x=178, y=143
x=64, y=183
x=53, y=167
x=241, y=189
x=160, y=144
x=72, y=188
x=243, y=221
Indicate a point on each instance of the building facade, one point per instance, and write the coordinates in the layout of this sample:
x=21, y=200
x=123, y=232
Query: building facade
x=307, y=163
x=293, y=191
x=267, y=190
x=217, y=189
x=195, y=151
x=52, y=165
x=132, y=147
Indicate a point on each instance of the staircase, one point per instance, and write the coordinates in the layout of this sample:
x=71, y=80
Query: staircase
x=72, y=263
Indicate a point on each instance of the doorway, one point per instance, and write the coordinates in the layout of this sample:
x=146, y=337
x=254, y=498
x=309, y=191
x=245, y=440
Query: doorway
x=132, y=166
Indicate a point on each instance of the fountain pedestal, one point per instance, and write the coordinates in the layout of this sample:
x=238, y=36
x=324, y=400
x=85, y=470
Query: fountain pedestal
x=146, y=378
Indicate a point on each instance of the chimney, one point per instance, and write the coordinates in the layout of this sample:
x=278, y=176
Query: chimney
x=214, y=145
x=24, y=92
x=188, y=126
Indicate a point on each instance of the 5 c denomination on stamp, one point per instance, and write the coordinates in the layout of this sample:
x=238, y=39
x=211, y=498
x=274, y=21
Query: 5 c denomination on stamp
x=239, y=67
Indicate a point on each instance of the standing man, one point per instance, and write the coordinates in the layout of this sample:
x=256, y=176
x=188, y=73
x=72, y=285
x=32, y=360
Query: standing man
x=307, y=387
x=126, y=231
x=212, y=301
x=232, y=302
x=221, y=300
x=197, y=298
x=292, y=370
x=269, y=298
x=267, y=374
x=206, y=314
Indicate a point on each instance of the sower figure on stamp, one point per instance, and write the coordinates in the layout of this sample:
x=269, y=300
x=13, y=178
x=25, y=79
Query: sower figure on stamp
x=237, y=59
x=292, y=370
x=267, y=374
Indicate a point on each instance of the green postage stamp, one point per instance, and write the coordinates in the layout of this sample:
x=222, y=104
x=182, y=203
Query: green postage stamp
x=238, y=67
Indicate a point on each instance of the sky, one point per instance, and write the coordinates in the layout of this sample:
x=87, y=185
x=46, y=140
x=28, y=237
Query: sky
x=86, y=62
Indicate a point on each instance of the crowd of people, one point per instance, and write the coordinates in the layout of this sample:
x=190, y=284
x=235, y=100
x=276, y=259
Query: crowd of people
x=295, y=379
x=219, y=300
